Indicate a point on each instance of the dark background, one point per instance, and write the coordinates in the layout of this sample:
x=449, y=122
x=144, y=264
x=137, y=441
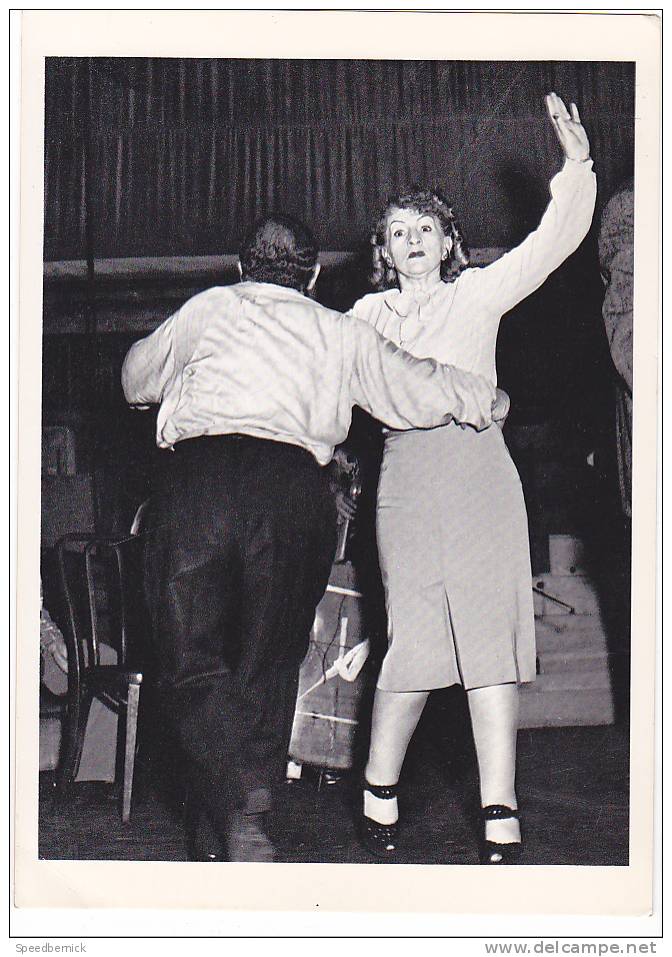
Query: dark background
x=165, y=157
x=185, y=154
x=149, y=158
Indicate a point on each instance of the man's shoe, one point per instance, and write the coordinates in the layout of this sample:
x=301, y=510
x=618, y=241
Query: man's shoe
x=203, y=842
x=248, y=840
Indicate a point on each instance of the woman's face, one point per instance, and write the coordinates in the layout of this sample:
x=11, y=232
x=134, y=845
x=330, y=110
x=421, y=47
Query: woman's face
x=415, y=243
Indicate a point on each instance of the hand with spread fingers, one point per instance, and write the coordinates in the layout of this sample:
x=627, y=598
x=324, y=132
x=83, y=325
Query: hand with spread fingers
x=568, y=128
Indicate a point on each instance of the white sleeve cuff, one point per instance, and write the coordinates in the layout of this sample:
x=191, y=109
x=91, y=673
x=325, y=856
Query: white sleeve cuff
x=572, y=163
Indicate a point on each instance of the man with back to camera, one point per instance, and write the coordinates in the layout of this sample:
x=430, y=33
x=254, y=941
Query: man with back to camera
x=256, y=384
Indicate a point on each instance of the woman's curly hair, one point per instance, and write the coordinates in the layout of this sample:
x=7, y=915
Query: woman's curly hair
x=281, y=250
x=423, y=200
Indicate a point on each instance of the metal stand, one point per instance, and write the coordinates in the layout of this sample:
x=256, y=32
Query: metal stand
x=558, y=601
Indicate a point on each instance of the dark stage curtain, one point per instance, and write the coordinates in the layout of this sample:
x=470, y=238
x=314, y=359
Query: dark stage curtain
x=155, y=157
x=183, y=155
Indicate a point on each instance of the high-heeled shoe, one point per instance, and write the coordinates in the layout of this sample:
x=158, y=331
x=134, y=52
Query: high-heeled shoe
x=496, y=852
x=379, y=839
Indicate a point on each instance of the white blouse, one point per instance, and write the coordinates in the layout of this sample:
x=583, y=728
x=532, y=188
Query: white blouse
x=457, y=322
x=267, y=361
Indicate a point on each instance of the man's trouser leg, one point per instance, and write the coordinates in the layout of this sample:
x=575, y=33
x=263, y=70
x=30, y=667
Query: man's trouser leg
x=238, y=558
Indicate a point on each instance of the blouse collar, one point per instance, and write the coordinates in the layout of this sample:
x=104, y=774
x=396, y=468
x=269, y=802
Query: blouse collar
x=411, y=300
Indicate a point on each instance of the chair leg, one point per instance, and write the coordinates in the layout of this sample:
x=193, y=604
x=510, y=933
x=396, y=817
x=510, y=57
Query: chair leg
x=129, y=752
x=73, y=733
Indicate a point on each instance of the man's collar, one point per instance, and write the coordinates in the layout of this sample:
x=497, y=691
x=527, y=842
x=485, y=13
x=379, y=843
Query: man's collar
x=271, y=289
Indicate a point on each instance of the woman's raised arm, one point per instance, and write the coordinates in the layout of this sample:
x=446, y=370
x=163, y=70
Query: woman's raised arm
x=564, y=224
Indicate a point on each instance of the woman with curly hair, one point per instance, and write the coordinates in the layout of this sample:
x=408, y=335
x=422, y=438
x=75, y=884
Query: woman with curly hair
x=451, y=520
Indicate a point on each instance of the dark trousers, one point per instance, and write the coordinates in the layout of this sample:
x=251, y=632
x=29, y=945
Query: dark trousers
x=239, y=548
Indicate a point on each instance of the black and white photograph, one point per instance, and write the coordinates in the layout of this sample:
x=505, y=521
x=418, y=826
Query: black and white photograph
x=336, y=460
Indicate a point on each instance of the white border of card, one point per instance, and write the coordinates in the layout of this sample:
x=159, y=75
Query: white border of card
x=440, y=897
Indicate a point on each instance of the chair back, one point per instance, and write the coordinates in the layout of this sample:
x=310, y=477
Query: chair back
x=77, y=620
x=114, y=572
x=134, y=625
x=101, y=584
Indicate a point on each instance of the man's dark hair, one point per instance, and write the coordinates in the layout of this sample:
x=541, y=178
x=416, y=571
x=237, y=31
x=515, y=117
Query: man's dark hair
x=281, y=250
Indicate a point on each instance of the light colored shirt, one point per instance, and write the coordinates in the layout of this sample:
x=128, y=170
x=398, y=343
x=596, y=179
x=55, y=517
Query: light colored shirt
x=458, y=321
x=616, y=251
x=267, y=361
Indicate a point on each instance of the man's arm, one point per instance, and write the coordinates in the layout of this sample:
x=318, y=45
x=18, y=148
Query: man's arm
x=616, y=251
x=406, y=393
x=617, y=313
x=149, y=365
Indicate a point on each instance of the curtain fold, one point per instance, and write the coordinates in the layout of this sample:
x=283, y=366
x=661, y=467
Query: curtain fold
x=188, y=153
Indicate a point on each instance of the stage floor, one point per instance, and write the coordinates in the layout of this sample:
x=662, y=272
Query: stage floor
x=572, y=785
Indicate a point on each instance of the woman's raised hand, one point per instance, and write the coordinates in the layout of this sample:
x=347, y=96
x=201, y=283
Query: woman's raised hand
x=567, y=125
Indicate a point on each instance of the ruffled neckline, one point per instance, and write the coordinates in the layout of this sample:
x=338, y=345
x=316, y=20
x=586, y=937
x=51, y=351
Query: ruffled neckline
x=404, y=303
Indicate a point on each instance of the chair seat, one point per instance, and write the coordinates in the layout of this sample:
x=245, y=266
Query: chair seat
x=107, y=676
x=111, y=684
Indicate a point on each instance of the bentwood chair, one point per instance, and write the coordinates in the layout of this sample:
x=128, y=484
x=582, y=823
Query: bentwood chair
x=101, y=587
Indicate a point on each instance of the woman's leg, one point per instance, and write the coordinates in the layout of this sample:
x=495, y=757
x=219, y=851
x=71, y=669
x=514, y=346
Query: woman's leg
x=494, y=721
x=395, y=717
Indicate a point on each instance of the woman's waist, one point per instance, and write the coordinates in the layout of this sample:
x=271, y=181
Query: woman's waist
x=426, y=459
x=453, y=439
x=448, y=432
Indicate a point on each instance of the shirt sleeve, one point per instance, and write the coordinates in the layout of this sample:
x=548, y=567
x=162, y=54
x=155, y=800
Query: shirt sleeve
x=358, y=310
x=616, y=250
x=564, y=224
x=617, y=313
x=149, y=365
x=405, y=393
